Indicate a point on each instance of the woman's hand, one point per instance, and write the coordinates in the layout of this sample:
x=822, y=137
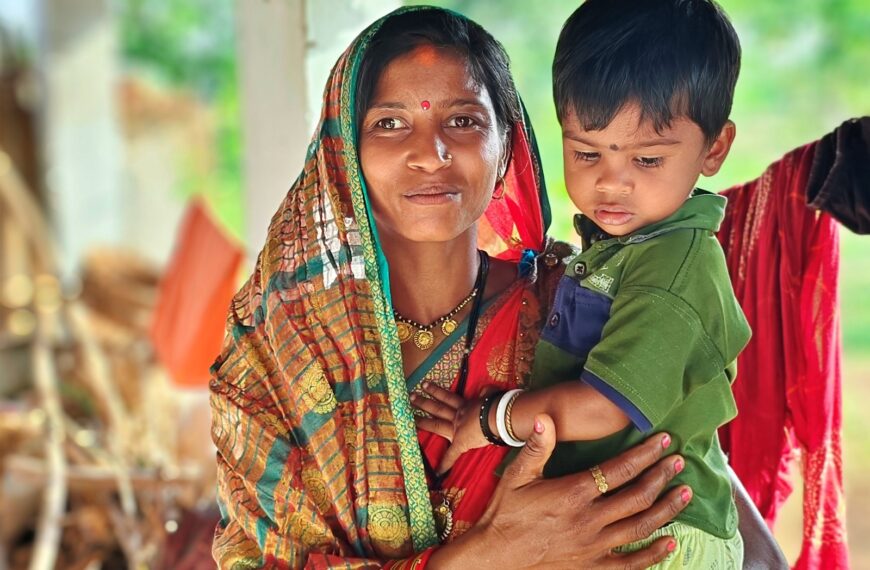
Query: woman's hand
x=566, y=522
x=453, y=418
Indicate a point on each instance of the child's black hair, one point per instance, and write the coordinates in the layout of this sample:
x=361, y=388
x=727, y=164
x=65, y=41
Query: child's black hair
x=671, y=57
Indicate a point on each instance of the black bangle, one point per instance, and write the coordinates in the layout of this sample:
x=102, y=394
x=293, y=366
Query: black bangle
x=484, y=418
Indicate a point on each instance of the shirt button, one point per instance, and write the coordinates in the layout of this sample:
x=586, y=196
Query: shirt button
x=580, y=269
x=554, y=319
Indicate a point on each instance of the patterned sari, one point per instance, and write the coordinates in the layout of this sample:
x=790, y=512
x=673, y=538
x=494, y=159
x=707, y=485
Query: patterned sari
x=319, y=461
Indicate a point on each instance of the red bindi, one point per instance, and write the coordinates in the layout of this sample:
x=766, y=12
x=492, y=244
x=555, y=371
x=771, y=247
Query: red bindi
x=425, y=105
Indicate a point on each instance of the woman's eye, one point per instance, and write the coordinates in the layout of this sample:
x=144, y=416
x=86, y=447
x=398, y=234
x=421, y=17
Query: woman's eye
x=585, y=156
x=649, y=162
x=389, y=124
x=462, y=122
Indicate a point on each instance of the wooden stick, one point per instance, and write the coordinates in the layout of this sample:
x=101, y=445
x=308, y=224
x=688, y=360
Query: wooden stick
x=20, y=201
x=93, y=477
x=48, y=530
x=97, y=376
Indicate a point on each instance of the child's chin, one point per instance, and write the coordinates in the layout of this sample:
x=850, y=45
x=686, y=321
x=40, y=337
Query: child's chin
x=618, y=231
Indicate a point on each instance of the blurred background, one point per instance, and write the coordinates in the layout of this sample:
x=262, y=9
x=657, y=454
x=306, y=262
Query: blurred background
x=144, y=146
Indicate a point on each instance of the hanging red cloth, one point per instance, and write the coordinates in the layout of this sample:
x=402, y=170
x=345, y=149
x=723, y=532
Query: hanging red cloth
x=783, y=258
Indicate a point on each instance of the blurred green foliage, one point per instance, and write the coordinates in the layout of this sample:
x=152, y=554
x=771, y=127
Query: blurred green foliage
x=191, y=44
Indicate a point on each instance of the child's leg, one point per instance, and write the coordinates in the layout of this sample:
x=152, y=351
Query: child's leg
x=695, y=549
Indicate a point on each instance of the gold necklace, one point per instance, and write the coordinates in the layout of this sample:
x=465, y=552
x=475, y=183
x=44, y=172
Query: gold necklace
x=421, y=334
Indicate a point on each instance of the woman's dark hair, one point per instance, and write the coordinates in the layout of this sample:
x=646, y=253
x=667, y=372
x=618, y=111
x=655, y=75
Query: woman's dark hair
x=488, y=62
x=672, y=57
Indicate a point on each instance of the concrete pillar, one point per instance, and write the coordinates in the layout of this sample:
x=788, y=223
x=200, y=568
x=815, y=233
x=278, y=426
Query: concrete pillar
x=82, y=146
x=286, y=50
x=272, y=50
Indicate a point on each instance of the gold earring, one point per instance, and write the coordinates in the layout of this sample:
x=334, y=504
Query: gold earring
x=498, y=192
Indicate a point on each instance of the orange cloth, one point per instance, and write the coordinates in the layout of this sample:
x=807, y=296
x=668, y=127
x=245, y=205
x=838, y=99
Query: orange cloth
x=193, y=298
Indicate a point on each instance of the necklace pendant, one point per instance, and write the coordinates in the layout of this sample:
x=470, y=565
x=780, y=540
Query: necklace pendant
x=424, y=339
x=404, y=331
x=444, y=518
x=448, y=326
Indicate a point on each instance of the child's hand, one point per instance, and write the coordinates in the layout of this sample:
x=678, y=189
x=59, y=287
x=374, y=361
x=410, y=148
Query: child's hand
x=453, y=418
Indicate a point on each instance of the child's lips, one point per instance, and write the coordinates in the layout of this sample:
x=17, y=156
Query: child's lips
x=612, y=215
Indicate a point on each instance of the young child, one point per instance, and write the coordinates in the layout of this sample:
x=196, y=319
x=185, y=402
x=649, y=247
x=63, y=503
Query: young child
x=645, y=317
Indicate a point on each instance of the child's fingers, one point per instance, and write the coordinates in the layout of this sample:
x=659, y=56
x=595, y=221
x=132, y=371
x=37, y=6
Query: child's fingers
x=433, y=407
x=453, y=400
x=438, y=427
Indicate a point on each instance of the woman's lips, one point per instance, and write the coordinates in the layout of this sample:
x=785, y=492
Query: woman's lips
x=432, y=195
x=612, y=215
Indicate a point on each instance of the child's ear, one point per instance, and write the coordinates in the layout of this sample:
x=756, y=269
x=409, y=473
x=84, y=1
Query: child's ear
x=718, y=151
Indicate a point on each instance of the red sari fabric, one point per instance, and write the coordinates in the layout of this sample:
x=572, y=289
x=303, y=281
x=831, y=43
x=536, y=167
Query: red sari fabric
x=515, y=221
x=496, y=363
x=783, y=258
x=511, y=229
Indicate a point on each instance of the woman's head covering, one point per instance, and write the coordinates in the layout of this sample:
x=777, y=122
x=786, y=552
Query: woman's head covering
x=314, y=429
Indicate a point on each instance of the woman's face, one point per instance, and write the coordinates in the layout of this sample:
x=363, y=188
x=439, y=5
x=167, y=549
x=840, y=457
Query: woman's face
x=430, y=147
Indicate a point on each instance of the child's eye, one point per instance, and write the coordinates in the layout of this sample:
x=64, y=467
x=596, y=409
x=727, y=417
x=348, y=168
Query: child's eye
x=389, y=124
x=649, y=162
x=585, y=156
x=462, y=122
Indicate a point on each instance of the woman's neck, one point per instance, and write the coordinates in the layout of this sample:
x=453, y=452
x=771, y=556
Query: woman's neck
x=428, y=280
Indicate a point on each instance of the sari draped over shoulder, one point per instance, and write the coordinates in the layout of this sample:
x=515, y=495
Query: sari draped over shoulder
x=319, y=461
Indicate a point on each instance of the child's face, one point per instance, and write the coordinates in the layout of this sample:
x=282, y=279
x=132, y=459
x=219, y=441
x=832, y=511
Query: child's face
x=627, y=176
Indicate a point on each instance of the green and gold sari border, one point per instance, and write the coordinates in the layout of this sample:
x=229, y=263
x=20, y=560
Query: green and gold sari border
x=422, y=522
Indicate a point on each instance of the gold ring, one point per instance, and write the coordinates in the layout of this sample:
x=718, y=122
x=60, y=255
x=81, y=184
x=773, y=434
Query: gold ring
x=599, y=478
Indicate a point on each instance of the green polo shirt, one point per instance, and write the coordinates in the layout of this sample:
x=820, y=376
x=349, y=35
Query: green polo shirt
x=651, y=321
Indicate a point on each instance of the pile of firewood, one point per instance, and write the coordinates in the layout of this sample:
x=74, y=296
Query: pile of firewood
x=91, y=448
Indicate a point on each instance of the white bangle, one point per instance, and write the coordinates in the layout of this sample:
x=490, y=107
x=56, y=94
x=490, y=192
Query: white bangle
x=500, y=419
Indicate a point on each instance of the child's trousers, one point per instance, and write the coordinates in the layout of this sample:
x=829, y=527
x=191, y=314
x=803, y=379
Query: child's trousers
x=696, y=549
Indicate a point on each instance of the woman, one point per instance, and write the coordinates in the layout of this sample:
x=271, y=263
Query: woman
x=370, y=284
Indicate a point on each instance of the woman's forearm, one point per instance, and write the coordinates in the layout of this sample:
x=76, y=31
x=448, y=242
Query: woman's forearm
x=579, y=412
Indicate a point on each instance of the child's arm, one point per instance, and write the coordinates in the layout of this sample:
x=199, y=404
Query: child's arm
x=579, y=411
